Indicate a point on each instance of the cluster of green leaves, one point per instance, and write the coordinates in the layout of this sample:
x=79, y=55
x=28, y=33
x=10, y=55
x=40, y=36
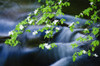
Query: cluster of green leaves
x=45, y=15
x=95, y=30
x=42, y=15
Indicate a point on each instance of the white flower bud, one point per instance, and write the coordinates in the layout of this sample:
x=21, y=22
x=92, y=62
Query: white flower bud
x=35, y=32
x=95, y=55
x=21, y=27
x=57, y=28
x=55, y=21
x=35, y=12
x=10, y=33
x=91, y=3
x=71, y=24
x=47, y=31
x=84, y=52
x=30, y=22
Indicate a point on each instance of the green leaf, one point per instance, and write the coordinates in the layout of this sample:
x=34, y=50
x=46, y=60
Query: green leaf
x=89, y=53
x=77, y=22
x=93, y=48
x=28, y=30
x=39, y=0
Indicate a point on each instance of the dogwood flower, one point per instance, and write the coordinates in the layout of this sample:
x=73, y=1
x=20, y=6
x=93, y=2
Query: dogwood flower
x=46, y=21
x=35, y=12
x=47, y=31
x=48, y=25
x=55, y=21
x=28, y=18
x=91, y=3
x=71, y=24
x=57, y=28
x=30, y=22
x=21, y=27
x=35, y=32
x=10, y=33
x=85, y=29
x=81, y=13
x=95, y=55
x=45, y=44
x=84, y=52
x=60, y=2
x=48, y=46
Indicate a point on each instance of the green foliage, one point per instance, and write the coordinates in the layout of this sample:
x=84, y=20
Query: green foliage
x=44, y=15
x=74, y=45
x=95, y=30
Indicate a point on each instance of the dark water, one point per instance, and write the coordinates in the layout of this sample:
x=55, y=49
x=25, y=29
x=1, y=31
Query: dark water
x=28, y=53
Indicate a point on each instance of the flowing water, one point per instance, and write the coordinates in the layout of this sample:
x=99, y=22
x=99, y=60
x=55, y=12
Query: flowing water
x=28, y=53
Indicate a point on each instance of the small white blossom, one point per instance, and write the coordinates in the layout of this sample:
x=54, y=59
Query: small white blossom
x=47, y=31
x=84, y=52
x=21, y=27
x=81, y=13
x=30, y=22
x=45, y=44
x=57, y=28
x=46, y=21
x=95, y=55
x=85, y=29
x=35, y=32
x=48, y=46
x=35, y=11
x=71, y=24
x=55, y=21
x=10, y=33
x=91, y=3
x=60, y=2
x=28, y=18
x=48, y=25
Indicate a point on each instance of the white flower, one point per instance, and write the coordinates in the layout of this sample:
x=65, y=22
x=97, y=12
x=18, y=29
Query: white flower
x=91, y=3
x=95, y=55
x=84, y=52
x=57, y=28
x=46, y=21
x=48, y=46
x=85, y=29
x=71, y=24
x=28, y=18
x=81, y=13
x=35, y=11
x=48, y=25
x=21, y=27
x=55, y=21
x=45, y=44
x=35, y=32
x=10, y=33
x=47, y=31
x=30, y=22
x=59, y=2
